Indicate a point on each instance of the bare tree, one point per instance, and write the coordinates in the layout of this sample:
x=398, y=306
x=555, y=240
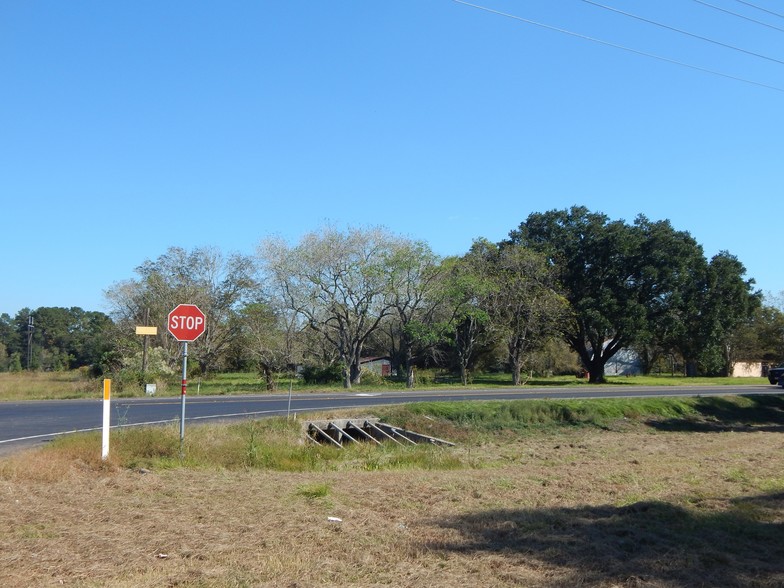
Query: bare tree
x=219, y=285
x=340, y=283
x=419, y=298
x=269, y=339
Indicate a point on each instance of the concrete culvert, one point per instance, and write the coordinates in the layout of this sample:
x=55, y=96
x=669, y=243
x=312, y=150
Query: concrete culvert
x=338, y=432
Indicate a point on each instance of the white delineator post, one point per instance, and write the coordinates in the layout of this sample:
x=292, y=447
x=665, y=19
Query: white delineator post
x=107, y=394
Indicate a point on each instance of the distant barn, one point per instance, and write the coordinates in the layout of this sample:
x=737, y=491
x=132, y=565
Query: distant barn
x=377, y=365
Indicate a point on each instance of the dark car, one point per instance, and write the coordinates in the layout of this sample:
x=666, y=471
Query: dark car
x=776, y=375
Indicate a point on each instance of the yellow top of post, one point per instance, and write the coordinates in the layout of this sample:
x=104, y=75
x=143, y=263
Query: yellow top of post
x=107, y=389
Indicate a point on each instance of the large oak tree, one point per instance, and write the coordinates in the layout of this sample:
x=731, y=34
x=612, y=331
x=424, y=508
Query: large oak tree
x=624, y=282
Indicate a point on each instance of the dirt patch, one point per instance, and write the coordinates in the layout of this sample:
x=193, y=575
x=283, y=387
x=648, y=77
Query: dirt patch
x=588, y=507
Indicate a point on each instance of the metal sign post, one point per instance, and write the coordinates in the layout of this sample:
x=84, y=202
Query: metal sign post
x=184, y=390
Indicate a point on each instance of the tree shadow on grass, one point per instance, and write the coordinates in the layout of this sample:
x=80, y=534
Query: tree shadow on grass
x=644, y=544
x=717, y=414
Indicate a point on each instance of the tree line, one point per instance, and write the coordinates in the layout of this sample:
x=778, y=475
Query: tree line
x=53, y=339
x=565, y=284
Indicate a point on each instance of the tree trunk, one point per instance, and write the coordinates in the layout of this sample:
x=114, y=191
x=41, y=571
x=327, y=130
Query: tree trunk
x=515, y=347
x=595, y=367
x=593, y=362
x=356, y=374
x=596, y=375
x=269, y=377
x=355, y=364
x=463, y=374
x=516, y=359
x=408, y=363
x=465, y=339
x=727, y=368
x=516, y=369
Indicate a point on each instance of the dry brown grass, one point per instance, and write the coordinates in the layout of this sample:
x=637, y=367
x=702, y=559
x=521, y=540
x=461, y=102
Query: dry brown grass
x=48, y=385
x=586, y=507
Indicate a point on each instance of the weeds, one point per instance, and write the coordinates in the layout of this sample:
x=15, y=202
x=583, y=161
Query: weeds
x=313, y=491
x=122, y=417
x=252, y=447
x=270, y=444
x=420, y=457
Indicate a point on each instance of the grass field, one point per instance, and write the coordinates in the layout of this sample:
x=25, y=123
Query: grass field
x=659, y=493
x=67, y=385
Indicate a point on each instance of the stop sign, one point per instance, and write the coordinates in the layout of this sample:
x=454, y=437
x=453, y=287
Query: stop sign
x=186, y=322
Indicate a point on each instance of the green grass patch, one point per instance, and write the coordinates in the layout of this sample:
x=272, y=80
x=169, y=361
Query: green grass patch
x=75, y=384
x=678, y=380
x=527, y=414
x=408, y=457
x=313, y=491
x=279, y=444
x=522, y=415
x=504, y=380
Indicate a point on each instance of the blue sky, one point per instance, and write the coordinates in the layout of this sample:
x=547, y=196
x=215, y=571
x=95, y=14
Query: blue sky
x=130, y=127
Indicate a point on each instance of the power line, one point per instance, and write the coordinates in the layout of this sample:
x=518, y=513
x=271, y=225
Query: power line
x=739, y=15
x=681, y=31
x=616, y=46
x=760, y=8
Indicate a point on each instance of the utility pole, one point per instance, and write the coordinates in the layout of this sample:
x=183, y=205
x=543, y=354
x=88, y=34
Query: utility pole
x=144, y=343
x=30, y=327
x=146, y=332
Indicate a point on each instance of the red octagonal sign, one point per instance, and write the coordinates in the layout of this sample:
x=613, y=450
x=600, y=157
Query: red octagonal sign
x=186, y=322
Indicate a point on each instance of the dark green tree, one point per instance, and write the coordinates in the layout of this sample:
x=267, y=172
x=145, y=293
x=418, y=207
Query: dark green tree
x=7, y=334
x=623, y=282
x=761, y=338
x=91, y=337
x=769, y=323
x=62, y=338
x=8, y=341
x=717, y=302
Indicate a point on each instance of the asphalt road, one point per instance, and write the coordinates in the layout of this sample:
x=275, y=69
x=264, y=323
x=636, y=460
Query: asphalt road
x=27, y=423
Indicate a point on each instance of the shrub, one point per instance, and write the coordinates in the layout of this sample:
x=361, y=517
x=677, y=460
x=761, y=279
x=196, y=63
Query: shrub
x=372, y=378
x=322, y=375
